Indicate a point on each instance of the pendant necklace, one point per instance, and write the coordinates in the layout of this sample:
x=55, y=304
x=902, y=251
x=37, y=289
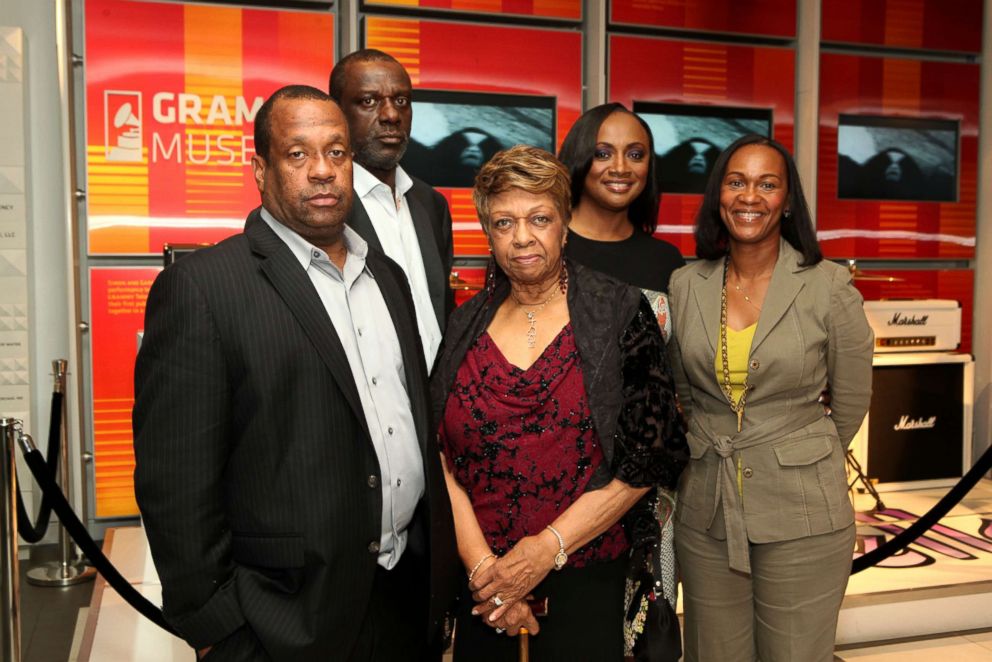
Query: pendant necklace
x=532, y=315
x=740, y=290
x=736, y=407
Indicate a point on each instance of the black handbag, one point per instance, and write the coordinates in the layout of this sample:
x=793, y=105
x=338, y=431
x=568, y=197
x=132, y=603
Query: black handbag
x=651, y=628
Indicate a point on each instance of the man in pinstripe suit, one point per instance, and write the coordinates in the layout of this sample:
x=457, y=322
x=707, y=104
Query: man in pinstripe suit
x=286, y=470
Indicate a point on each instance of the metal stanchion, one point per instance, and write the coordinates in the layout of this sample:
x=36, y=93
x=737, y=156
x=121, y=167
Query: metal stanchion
x=10, y=602
x=68, y=569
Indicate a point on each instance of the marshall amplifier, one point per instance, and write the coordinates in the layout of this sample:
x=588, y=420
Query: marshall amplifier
x=918, y=429
x=915, y=325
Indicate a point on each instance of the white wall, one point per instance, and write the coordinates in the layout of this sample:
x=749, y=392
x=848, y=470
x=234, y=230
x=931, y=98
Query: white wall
x=48, y=252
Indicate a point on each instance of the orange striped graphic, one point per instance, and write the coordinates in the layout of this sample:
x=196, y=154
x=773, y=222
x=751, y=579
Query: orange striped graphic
x=469, y=242
x=117, y=188
x=399, y=38
x=213, y=66
x=901, y=85
x=704, y=72
x=904, y=23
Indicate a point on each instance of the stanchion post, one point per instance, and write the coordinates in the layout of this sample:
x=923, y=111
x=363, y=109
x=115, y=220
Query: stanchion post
x=10, y=607
x=67, y=570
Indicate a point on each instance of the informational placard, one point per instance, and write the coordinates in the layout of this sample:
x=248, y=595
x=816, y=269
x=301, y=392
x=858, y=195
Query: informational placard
x=706, y=95
x=117, y=316
x=546, y=66
x=568, y=9
x=171, y=95
x=15, y=384
x=897, y=157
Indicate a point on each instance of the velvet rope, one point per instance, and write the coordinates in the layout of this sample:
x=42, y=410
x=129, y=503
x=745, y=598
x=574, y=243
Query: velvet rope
x=77, y=530
x=32, y=532
x=932, y=516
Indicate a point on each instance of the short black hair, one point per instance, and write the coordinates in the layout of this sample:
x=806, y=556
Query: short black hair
x=577, y=151
x=263, y=124
x=712, y=238
x=336, y=81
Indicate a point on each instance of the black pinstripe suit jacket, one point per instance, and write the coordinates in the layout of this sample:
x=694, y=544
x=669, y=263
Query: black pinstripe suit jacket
x=253, y=457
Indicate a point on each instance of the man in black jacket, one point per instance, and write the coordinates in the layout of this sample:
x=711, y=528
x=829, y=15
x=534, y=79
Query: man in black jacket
x=396, y=213
x=286, y=467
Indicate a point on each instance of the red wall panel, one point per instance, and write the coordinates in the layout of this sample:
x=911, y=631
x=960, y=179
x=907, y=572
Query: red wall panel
x=904, y=88
x=445, y=55
x=943, y=25
x=774, y=18
x=570, y=9
x=702, y=73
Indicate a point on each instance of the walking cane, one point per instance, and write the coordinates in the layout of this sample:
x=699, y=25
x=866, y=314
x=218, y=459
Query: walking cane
x=540, y=609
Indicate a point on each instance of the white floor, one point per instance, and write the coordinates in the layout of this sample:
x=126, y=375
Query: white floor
x=963, y=648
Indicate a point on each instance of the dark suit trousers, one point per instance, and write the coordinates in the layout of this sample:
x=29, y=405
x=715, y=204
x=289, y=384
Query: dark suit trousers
x=395, y=626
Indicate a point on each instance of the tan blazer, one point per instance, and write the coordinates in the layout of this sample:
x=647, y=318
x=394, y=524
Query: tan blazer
x=788, y=461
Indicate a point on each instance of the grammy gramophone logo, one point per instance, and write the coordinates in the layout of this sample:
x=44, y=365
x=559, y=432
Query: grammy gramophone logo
x=122, y=127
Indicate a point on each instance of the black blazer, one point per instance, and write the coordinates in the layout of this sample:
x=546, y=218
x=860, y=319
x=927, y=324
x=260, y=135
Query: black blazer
x=253, y=457
x=432, y=221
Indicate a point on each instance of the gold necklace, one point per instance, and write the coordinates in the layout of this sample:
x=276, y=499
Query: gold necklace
x=736, y=407
x=740, y=290
x=532, y=314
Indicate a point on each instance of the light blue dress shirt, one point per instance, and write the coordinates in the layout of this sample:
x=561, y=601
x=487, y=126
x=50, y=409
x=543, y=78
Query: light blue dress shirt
x=362, y=321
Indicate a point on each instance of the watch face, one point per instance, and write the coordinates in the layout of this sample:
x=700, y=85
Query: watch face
x=561, y=558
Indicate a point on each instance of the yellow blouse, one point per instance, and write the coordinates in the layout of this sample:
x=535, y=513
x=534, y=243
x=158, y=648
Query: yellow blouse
x=738, y=351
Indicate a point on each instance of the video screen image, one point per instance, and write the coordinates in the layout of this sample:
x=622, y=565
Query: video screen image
x=897, y=158
x=688, y=138
x=455, y=133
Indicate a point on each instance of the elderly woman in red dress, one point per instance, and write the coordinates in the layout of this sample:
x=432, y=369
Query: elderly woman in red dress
x=558, y=417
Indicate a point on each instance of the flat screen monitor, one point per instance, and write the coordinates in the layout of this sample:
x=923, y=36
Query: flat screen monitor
x=897, y=158
x=689, y=137
x=455, y=133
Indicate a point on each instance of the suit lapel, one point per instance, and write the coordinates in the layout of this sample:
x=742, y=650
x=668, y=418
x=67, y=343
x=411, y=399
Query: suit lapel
x=782, y=291
x=433, y=268
x=297, y=292
x=706, y=290
x=404, y=322
x=360, y=222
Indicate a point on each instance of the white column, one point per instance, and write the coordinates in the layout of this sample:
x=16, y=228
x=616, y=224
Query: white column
x=807, y=96
x=982, y=329
x=594, y=50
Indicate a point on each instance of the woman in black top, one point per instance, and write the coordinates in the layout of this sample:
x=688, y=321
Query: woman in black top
x=609, y=152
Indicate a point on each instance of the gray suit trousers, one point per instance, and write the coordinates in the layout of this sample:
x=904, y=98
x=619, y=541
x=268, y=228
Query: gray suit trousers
x=785, y=611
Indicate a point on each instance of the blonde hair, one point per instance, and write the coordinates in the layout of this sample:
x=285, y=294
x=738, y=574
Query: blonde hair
x=526, y=168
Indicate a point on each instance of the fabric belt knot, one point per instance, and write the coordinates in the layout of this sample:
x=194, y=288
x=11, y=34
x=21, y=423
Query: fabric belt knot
x=733, y=510
x=738, y=553
x=723, y=446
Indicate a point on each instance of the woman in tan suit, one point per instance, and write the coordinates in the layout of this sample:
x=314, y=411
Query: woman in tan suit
x=763, y=324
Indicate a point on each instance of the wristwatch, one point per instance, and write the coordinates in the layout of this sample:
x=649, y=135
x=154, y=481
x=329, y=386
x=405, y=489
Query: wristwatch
x=561, y=558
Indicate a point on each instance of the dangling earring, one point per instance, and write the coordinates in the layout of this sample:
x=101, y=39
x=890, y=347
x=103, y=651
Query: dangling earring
x=787, y=213
x=563, y=276
x=491, y=276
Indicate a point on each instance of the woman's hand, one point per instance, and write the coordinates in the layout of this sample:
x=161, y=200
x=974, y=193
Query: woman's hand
x=513, y=576
x=518, y=615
